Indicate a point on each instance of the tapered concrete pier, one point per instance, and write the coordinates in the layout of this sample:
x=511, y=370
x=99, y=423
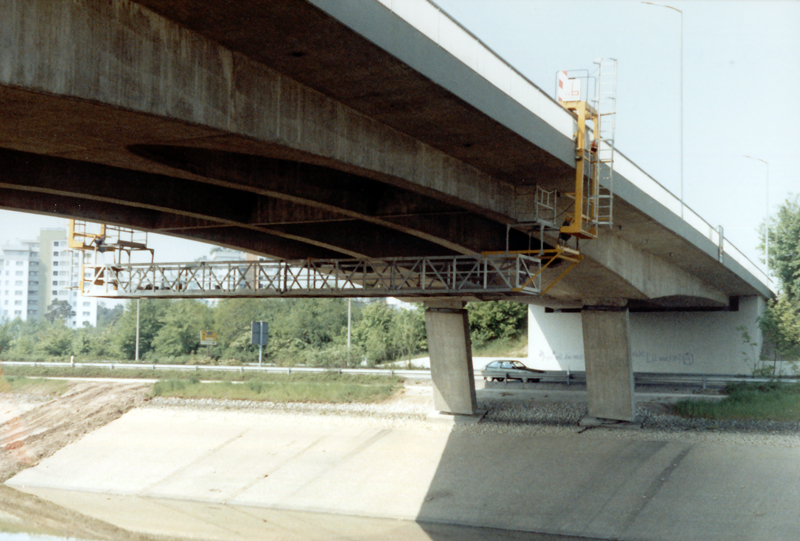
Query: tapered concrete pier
x=451, y=357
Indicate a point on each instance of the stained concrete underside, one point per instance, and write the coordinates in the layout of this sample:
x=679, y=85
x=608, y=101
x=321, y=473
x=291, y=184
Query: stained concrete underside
x=274, y=128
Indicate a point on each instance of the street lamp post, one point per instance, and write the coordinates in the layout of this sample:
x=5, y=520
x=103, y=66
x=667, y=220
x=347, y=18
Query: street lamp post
x=766, y=214
x=681, y=93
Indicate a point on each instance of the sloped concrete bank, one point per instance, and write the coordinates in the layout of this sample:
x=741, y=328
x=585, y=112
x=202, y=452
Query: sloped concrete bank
x=392, y=462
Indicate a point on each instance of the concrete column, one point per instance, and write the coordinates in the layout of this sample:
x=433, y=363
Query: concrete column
x=609, y=369
x=451, y=357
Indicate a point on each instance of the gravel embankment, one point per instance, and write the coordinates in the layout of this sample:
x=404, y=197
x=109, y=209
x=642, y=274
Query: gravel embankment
x=520, y=415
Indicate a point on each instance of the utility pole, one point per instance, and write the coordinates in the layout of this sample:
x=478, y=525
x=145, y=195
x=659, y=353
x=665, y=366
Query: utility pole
x=137, y=330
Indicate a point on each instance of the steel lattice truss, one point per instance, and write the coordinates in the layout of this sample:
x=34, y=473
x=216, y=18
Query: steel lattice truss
x=413, y=276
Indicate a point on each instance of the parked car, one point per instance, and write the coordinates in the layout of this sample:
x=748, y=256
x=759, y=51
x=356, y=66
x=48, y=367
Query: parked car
x=510, y=370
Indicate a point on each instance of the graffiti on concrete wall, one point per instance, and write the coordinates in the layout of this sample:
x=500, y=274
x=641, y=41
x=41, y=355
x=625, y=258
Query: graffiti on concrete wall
x=650, y=358
x=640, y=357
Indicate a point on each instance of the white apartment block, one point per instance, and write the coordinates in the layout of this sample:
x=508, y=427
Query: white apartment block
x=19, y=281
x=36, y=273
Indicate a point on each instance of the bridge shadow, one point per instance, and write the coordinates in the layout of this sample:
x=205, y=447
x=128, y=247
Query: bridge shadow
x=511, y=481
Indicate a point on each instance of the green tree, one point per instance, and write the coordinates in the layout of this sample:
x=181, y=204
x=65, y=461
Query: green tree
x=182, y=322
x=150, y=321
x=57, y=341
x=59, y=310
x=781, y=321
x=6, y=336
x=784, y=249
x=232, y=319
x=496, y=320
x=408, y=335
x=373, y=332
x=108, y=316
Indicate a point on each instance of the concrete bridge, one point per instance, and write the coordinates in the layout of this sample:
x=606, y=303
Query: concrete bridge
x=326, y=129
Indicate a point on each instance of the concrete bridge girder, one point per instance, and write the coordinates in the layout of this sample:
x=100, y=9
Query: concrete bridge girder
x=288, y=208
x=177, y=74
x=651, y=276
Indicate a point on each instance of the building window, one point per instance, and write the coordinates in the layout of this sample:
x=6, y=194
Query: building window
x=19, y=273
x=55, y=293
x=86, y=314
x=55, y=254
x=19, y=263
x=18, y=293
x=17, y=303
x=55, y=282
x=17, y=312
x=18, y=283
x=87, y=303
x=55, y=263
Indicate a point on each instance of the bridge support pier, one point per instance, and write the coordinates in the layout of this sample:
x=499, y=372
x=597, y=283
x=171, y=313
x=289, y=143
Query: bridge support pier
x=609, y=369
x=451, y=357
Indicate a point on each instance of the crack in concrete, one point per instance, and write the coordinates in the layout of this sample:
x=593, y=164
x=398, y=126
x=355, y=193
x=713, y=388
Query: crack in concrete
x=660, y=480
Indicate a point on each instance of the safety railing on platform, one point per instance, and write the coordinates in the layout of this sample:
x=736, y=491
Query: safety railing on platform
x=443, y=275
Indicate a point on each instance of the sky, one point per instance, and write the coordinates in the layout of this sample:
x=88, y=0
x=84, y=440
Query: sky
x=741, y=67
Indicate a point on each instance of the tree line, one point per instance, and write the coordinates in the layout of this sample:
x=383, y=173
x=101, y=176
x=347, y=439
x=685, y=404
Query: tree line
x=312, y=332
x=780, y=324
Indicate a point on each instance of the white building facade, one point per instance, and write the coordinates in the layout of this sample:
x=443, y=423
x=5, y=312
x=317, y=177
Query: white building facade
x=34, y=274
x=19, y=281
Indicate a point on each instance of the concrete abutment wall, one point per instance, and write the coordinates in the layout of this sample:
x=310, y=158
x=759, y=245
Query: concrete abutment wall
x=666, y=342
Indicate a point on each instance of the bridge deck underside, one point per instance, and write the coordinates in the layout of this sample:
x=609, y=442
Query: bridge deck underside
x=247, y=129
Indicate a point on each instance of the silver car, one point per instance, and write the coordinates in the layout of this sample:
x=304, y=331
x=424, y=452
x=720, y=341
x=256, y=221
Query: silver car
x=510, y=370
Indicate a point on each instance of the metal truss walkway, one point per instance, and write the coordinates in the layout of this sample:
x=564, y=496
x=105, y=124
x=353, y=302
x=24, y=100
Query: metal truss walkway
x=519, y=273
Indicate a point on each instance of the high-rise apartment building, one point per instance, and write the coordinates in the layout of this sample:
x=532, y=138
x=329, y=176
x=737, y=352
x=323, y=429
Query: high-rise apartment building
x=34, y=274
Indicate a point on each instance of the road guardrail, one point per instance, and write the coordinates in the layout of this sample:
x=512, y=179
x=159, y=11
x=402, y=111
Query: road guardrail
x=568, y=377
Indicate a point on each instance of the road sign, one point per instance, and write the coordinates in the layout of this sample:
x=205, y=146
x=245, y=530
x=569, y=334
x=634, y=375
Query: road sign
x=260, y=333
x=208, y=338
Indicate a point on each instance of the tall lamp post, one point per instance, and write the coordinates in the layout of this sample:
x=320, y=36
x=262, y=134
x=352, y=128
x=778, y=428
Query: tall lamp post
x=681, y=93
x=766, y=215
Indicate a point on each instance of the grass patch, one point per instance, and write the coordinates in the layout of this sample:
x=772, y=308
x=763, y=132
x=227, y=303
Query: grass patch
x=319, y=388
x=146, y=372
x=512, y=348
x=774, y=401
x=249, y=385
x=37, y=386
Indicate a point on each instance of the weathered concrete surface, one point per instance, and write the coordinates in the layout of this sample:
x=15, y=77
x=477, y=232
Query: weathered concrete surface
x=666, y=342
x=450, y=351
x=87, y=515
x=609, y=372
x=590, y=484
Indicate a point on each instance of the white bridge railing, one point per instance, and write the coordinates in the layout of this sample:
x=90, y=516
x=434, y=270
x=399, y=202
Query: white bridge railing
x=445, y=275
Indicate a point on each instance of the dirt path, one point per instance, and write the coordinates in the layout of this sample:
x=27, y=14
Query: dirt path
x=41, y=431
